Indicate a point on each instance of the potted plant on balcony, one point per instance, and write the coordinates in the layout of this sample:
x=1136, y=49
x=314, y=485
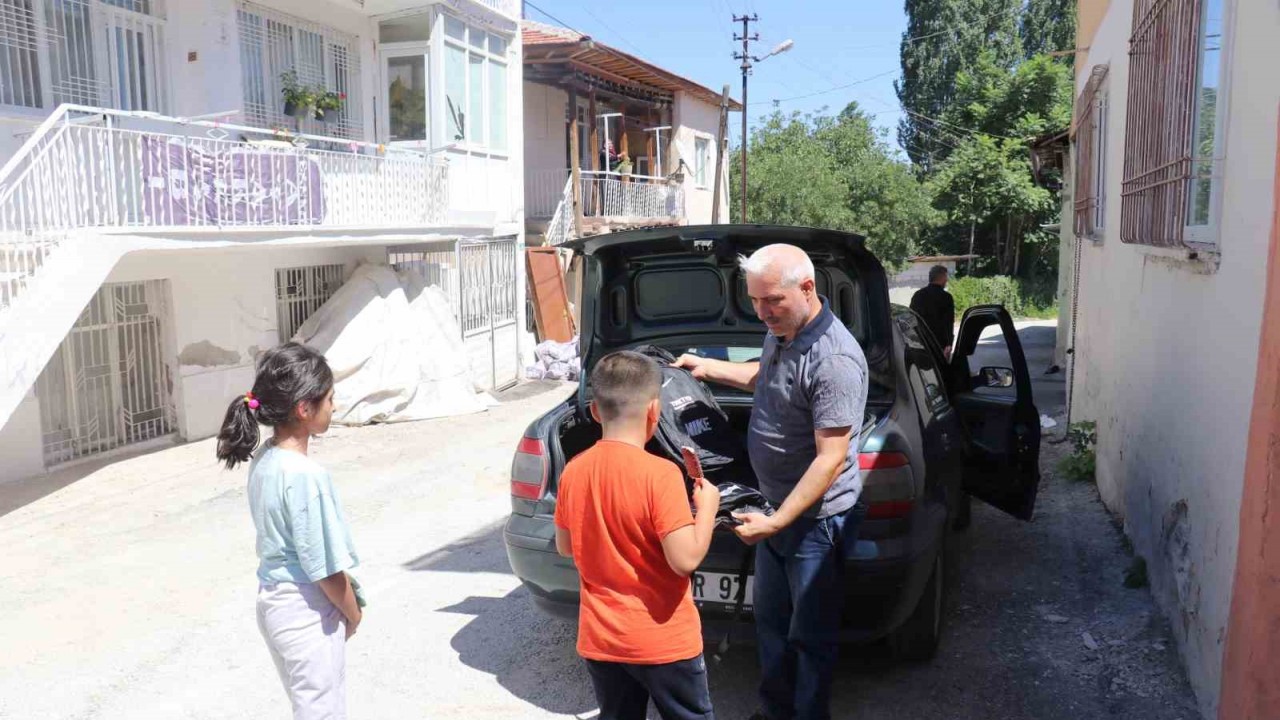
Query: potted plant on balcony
x=328, y=100
x=299, y=99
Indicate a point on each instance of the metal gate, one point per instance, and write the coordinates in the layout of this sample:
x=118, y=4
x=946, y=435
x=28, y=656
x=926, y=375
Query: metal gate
x=488, y=310
x=107, y=385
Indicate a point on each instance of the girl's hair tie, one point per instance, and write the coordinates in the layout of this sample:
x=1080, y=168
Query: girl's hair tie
x=251, y=401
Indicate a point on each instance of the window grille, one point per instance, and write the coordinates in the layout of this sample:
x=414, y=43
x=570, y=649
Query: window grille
x=91, y=52
x=1163, y=54
x=1090, y=155
x=301, y=291
x=272, y=44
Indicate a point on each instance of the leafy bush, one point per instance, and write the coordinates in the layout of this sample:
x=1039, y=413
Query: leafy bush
x=1083, y=461
x=1022, y=298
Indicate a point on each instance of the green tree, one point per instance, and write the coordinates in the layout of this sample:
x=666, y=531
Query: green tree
x=1049, y=26
x=942, y=39
x=836, y=172
x=985, y=187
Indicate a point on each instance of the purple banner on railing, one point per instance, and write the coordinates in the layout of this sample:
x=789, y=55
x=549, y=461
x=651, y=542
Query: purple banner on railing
x=190, y=185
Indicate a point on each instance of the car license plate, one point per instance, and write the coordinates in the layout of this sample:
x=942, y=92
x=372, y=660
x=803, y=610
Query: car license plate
x=719, y=588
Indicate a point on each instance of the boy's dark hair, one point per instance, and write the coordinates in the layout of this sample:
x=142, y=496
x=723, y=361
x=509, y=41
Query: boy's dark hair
x=937, y=272
x=287, y=375
x=622, y=383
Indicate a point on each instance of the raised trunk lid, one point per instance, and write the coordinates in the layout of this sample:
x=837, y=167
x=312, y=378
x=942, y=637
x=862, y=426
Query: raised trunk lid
x=683, y=284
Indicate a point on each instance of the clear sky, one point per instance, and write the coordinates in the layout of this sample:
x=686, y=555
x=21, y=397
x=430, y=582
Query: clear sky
x=837, y=43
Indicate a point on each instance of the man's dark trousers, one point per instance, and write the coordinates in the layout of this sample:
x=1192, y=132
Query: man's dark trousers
x=799, y=593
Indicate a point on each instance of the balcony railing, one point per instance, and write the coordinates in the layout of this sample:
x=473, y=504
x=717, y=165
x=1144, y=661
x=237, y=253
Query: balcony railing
x=510, y=8
x=610, y=195
x=98, y=168
x=606, y=195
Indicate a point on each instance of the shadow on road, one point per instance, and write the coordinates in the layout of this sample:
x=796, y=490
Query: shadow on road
x=531, y=655
x=480, y=552
x=17, y=494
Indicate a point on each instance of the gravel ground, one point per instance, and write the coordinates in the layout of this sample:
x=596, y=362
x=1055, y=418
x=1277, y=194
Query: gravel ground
x=130, y=595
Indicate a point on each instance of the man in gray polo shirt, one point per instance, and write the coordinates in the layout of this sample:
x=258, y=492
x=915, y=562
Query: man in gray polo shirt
x=810, y=390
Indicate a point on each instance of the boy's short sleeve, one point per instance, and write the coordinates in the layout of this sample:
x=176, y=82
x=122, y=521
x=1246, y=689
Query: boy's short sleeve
x=320, y=534
x=669, y=501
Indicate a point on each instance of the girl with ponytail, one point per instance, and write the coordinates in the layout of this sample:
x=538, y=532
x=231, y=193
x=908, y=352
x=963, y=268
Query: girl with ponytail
x=308, y=606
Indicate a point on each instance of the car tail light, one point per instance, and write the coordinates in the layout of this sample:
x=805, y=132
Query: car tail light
x=882, y=460
x=529, y=469
x=889, y=461
x=890, y=510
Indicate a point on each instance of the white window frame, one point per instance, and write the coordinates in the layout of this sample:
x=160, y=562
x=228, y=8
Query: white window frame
x=702, y=156
x=106, y=22
x=489, y=58
x=1207, y=236
x=268, y=110
x=1102, y=105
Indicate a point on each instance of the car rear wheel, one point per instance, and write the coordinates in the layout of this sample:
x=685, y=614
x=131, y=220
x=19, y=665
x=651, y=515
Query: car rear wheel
x=917, y=638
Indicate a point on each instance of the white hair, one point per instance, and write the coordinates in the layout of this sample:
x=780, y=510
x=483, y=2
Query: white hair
x=793, y=270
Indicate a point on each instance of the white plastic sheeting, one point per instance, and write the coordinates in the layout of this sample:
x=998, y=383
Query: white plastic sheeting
x=395, y=349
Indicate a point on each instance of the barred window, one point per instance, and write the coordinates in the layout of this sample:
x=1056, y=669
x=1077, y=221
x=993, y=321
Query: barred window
x=1173, y=126
x=1090, y=135
x=273, y=44
x=90, y=52
x=301, y=291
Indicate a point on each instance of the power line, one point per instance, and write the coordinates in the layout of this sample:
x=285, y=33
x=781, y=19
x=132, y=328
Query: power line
x=908, y=40
x=553, y=18
x=828, y=90
x=609, y=27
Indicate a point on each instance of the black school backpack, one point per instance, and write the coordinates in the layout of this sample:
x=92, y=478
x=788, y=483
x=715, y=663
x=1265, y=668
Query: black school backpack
x=691, y=417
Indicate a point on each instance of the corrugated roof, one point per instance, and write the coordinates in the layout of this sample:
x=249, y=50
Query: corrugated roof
x=550, y=44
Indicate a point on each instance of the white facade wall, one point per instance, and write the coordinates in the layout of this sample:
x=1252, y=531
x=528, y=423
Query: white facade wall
x=221, y=305
x=1166, y=349
x=544, y=127
x=222, y=299
x=545, y=138
x=696, y=118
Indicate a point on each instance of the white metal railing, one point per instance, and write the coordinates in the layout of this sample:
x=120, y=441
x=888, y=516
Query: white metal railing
x=98, y=168
x=510, y=8
x=560, y=229
x=610, y=194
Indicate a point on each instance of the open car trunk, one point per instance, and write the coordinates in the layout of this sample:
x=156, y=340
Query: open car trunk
x=727, y=553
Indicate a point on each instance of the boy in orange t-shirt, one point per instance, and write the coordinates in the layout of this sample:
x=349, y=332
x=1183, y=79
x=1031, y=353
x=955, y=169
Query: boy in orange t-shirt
x=623, y=516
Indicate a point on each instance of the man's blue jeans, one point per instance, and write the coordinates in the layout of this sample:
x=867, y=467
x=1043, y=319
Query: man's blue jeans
x=799, y=593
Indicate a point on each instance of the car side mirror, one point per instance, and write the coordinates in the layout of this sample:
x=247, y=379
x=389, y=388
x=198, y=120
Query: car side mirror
x=996, y=377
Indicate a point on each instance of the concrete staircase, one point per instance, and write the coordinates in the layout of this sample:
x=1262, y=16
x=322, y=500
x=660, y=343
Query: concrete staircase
x=48, y=300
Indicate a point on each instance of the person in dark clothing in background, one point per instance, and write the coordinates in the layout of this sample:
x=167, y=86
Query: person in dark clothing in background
x=933, y=303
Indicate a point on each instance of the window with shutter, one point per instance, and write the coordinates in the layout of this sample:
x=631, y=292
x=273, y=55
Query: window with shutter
x=1090, y=135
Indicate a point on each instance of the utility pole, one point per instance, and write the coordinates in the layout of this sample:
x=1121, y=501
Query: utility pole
x=745, y=56
x=747, y=59
x=721, y=137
